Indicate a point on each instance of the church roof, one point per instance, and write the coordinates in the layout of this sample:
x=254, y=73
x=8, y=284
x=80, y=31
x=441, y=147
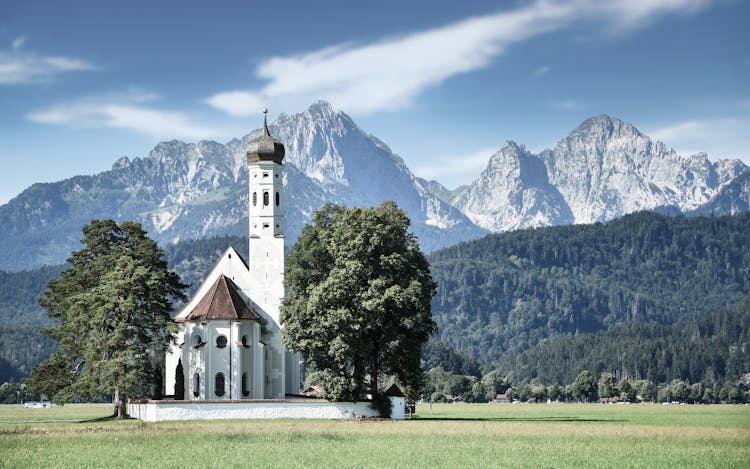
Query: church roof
x=222, y=301
x=265, y=147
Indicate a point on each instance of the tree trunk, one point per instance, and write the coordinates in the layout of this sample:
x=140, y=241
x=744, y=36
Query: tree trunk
x=374, y=377
x=120, y=409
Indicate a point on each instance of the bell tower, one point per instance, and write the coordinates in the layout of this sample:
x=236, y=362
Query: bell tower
x=265, y=157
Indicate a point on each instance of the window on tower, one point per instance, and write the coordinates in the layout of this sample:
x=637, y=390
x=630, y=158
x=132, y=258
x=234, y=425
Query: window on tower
x=245, y=387
x=221, y=341
x=196, y=384
x=278, y=199
x=219, y=384
x=255, y=199
x=266, y=198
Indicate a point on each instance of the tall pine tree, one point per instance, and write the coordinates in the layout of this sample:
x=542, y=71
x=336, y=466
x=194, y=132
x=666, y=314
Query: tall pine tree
x=112, y=307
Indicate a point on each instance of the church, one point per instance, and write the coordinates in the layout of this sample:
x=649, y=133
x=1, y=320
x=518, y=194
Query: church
x=229, y=337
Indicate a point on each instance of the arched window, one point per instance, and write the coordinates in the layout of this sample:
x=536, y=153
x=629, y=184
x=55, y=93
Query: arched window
x=255, y=199
x=245, y=341
x=265, y=198
x=221, y=341
x=197, y=341
x=219, y=384
x=196, y=384
x=245, y=387
x=278, y=199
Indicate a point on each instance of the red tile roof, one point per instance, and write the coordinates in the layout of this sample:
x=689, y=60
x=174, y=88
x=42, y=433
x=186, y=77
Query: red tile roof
x=222, y=301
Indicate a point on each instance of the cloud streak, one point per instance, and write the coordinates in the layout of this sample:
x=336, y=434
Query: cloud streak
x=569, y=105
x=459, y=169
x=125, y=111
x=389, y=74
x=722, y=137
x=20, y=67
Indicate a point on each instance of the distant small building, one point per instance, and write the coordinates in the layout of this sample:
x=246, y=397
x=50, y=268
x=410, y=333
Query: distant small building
x=500, y=399
x=391, y=391
x=38, y=405
x=312, y=391
x=609, y=400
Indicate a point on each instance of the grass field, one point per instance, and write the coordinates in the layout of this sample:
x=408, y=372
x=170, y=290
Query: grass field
x=458, y=435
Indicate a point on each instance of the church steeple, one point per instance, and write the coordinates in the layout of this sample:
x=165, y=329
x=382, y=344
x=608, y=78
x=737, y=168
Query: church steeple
x=265, y=155
x=265, y=147
x=266, y=247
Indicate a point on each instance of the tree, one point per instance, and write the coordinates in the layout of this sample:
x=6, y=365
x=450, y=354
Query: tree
x=358, y=301
x=606, y=385
x=539, y=392
x=495, y=382
x=554, y=392
x=112, y=310
x=584, y=387
x=627, y=393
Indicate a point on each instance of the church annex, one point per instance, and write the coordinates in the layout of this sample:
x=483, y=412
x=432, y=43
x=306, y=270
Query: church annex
x=229, y=338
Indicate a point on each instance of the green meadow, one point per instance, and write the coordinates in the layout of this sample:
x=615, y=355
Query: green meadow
x=446, y=435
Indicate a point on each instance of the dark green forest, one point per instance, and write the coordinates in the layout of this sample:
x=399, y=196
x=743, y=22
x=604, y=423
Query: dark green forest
x=645, y=297
x=701, y=349
x=507, y=293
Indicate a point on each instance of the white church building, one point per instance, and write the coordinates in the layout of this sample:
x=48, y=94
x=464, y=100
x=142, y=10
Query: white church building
x=229, y=338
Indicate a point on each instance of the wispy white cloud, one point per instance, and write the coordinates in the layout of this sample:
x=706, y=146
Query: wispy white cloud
x=543, y=70
x=20, y=67
x=630, y=14
x=459, y=169
x=569, y=105
x=18, y=42
x=132, y=110
x=724, y=137
x=390, y=73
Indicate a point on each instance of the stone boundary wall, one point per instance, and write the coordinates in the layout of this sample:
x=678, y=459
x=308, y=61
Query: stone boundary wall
x=158, y=411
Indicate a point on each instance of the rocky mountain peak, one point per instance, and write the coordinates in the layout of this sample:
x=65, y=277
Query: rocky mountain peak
x=603, y=169
x=605, y=126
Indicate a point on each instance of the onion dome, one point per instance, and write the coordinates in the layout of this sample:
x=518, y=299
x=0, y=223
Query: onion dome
x=265, y=147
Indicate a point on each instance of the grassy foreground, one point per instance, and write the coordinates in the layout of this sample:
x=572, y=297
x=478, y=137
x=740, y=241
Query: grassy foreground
x=468, y=435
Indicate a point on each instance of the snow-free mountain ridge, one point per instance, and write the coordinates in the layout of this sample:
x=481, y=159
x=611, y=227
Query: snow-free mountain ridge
x=604, y=169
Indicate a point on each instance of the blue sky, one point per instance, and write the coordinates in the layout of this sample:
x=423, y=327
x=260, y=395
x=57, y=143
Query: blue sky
x=445, y=84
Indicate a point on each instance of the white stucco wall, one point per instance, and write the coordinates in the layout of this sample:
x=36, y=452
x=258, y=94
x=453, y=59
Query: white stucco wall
x=157, y=411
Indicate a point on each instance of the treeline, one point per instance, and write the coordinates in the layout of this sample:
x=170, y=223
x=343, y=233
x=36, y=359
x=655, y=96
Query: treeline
x=701, y=349
x=443, y=385
x=506, y=293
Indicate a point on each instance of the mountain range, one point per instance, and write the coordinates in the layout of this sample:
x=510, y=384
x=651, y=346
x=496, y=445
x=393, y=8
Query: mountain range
x=605, y=168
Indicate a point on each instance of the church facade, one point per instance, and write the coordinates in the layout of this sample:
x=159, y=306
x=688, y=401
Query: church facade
x=229, y=337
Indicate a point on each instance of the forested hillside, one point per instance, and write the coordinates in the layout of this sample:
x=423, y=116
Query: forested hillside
x=702, y=349
x=646, y=296
x=508, y=292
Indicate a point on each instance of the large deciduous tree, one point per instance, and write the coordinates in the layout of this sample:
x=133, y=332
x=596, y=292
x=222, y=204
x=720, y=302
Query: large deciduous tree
x=112, y=308
x=358, y=301
x=584, y=387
